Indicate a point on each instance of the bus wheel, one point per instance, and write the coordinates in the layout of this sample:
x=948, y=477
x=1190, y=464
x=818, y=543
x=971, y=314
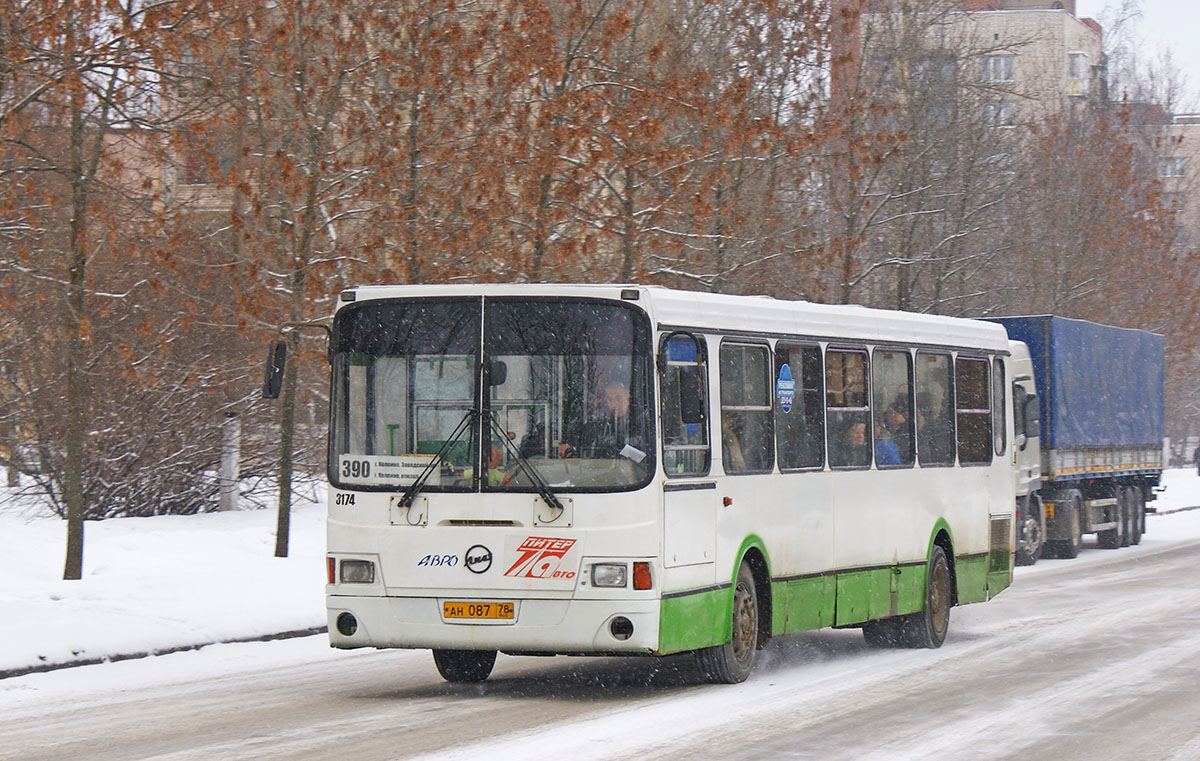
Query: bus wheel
x=731, y=663
x=884, y=632
x=464, y=665
x=928, y=628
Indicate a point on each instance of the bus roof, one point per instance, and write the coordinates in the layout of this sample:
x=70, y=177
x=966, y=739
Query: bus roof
x=713, y=312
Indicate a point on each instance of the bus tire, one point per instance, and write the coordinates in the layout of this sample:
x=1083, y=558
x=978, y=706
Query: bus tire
x=884, y=632
x=731, y=662
x=464, y=665
x=928, y=628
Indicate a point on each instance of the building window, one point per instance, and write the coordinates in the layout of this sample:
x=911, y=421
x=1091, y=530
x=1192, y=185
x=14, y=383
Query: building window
x=998, y=68
x=1173, y=201
x=1077, y=73
x=998, y=114
x=1174, y=167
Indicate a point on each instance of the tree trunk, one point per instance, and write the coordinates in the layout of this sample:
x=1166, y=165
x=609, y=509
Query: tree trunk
x=287, y=429
x=76, y=397
x=227, y=471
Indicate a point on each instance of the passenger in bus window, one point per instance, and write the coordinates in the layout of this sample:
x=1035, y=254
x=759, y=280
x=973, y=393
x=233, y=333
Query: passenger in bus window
x=731, y=446
x=857, y=451
x=895, y=421
x=886, y=451
x=608, y=435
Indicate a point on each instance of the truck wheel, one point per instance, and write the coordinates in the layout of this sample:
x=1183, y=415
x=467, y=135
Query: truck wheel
x=1032, y=539
x=464, y=665
x=1127, y=516
x=1138, y=506
x=928, y=628
x=1069, y=548
x=731, y=663
x=1111, y=539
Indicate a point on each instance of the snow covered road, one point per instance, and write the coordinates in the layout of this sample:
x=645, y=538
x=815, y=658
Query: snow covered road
x=1096, y=658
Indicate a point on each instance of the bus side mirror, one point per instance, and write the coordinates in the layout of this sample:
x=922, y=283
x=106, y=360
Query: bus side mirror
x=276, y=360
x=691, y=396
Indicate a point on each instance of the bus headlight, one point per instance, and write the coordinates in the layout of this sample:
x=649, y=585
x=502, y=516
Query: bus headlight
x=610, y=575
x=357, y=571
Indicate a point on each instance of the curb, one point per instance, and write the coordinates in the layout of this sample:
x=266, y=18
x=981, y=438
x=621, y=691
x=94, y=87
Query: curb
x=44, y=667
x=1176, y=510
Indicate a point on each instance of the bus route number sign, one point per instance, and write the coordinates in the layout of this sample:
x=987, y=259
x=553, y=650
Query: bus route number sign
x=785, y=388
x=486, y=610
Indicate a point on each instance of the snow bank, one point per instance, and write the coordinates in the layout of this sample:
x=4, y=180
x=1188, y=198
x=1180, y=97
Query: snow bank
x=154, y=584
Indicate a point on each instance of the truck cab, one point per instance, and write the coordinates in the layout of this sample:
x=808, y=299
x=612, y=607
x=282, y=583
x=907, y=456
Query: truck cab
x=1027, y=457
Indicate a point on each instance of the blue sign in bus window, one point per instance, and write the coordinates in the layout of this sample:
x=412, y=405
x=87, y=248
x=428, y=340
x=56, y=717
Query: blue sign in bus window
x=785, y=388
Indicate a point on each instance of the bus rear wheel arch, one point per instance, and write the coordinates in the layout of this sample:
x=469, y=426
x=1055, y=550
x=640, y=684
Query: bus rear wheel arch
x=926, y=628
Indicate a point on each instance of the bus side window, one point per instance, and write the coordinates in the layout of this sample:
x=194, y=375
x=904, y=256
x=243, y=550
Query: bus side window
x=683, y=374
x=892, y=403
x=847, y=408
x=999, y=427
x=800, y=413
x=973, y=411
x=747, y=433
x=935, y=409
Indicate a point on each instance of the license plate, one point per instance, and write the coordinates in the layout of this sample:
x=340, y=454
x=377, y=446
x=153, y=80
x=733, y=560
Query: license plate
x=478, y=610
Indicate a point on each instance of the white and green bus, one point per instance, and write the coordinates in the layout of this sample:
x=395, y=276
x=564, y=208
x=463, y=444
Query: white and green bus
x=617, y=469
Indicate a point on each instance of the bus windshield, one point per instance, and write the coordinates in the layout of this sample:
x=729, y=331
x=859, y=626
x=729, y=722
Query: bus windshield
x=567, y=397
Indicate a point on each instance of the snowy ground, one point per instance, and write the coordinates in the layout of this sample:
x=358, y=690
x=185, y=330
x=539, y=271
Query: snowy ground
x=168, y=583
x=154, y=584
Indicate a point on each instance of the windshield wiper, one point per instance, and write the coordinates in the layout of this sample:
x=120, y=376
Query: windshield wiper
x=463, y=426
x=539, y=483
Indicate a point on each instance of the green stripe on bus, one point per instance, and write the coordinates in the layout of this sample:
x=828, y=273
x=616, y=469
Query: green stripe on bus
x=693, y=621
x=879, y=593
x=700, y=620
x=971, y=573
x=802, y=604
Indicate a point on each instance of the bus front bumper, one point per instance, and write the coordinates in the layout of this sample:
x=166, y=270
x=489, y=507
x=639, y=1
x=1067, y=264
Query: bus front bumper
x=537, y=625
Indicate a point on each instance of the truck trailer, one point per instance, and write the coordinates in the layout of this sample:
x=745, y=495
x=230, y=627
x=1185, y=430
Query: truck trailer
x=1088, y=414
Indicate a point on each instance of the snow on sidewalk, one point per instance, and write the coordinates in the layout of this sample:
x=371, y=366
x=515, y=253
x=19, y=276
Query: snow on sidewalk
x=178, y=582
x=154, y=584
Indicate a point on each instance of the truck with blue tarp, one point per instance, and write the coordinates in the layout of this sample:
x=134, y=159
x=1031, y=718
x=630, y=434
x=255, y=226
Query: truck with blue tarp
x=1088, y=414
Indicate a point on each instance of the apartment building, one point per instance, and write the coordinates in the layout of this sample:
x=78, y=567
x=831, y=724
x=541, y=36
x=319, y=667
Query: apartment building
x=1179, y=170
x=1024, y=59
